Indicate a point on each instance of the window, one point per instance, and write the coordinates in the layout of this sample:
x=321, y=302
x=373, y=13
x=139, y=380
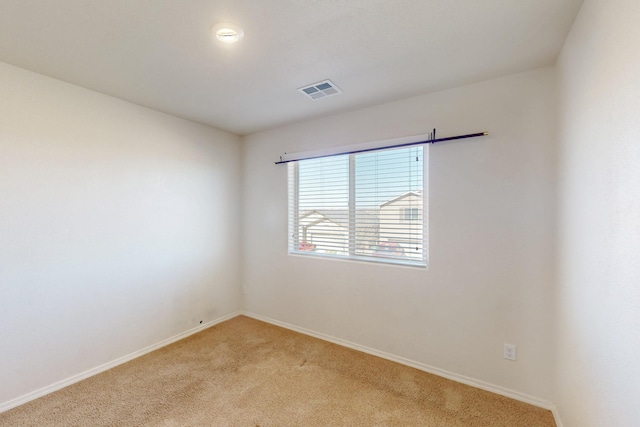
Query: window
x=368, y=206
x=411, y=214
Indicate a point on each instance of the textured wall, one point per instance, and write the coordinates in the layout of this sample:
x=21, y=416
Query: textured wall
x=118, y=229
x=598, y=341
x=491, y=222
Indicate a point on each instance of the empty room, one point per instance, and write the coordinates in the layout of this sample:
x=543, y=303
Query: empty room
x=320, y=213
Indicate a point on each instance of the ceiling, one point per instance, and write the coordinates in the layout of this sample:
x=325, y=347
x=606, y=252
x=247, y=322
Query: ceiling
x=160, y=54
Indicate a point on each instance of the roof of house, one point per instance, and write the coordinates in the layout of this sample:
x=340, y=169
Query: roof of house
x=402, y=196
x=341, y=216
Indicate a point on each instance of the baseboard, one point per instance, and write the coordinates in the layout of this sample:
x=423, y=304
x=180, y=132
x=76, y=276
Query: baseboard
x=426, y=368
x=91, y=372
x=421, y=366
x=556, y=416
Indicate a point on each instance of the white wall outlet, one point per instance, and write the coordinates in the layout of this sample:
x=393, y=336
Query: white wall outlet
x=510, y=352
x=244, y=290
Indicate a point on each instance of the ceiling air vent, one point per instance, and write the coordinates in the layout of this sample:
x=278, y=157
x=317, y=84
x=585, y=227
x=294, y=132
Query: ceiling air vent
x=320, y=90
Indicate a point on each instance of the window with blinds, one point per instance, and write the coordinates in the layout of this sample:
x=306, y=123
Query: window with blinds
x=368, y=206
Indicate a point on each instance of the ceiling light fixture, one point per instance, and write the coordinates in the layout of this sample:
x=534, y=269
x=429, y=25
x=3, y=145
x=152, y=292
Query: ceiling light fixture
x=227, y=33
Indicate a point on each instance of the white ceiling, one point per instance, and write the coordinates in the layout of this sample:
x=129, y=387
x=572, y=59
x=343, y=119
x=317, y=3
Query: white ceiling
x=159, y=53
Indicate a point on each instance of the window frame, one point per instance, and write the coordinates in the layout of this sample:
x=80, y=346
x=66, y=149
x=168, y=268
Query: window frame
x=294, y=239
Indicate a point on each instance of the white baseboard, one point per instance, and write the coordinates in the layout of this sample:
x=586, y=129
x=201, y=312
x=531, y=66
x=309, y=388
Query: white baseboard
x=556, y=416
x=426, y=368
x=91, y=372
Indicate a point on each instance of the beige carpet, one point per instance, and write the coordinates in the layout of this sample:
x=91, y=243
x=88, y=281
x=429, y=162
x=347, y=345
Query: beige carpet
x=248, y=373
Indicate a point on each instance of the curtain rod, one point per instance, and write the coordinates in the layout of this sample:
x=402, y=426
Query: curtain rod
x=432, y=140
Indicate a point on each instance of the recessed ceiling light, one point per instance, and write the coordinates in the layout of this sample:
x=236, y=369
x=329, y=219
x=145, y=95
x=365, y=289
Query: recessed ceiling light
x=227, y=33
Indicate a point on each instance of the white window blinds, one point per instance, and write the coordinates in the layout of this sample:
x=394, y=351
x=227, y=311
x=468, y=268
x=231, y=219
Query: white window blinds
x=368, y=206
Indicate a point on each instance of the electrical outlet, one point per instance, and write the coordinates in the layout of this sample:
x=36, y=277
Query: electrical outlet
x=510, y=352
x=244, y=290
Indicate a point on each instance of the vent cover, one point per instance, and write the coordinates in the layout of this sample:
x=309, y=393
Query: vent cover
x=320, y=90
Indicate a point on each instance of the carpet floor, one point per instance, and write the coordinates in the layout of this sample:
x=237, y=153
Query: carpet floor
x=244, y=372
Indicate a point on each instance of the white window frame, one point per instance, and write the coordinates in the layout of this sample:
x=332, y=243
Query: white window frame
x=294, y=240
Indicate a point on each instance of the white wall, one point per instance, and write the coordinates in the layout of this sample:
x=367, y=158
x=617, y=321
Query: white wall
x=492, y=213
x=118, y=229
x=598, y=340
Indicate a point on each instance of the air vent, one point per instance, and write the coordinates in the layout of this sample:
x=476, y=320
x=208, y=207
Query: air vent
x=320, y=90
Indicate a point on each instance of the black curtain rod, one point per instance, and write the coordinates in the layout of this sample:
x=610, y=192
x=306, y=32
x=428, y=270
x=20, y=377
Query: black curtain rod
x=432, y=140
